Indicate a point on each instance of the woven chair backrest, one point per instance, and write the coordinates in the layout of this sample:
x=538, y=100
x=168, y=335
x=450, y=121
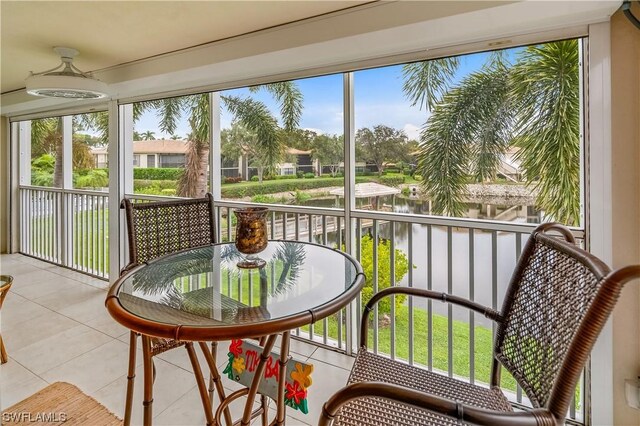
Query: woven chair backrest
x=159, y=228
x=552, y=288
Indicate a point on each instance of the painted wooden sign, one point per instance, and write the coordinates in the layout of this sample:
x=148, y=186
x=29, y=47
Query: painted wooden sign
x=243, y=362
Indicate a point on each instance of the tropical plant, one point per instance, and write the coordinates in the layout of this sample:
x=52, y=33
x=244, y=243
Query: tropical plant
x=253, y=114
x=383, y=271
x=381, y=145
x=42, y=170
x=532, y=105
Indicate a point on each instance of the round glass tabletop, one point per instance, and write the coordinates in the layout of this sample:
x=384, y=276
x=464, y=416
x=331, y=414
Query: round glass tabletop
x=205, y=287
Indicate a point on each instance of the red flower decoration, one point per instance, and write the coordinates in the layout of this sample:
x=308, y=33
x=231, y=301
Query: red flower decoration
x=235, y=347
x=295, y=393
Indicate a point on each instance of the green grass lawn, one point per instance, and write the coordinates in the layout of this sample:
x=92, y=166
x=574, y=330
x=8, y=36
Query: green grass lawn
x=440, y=352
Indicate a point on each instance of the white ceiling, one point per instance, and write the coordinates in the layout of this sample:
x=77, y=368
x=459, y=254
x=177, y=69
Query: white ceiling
x=109, y=33
x=142, y=48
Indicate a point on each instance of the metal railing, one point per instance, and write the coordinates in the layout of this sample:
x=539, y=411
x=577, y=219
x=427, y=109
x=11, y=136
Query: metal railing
x=66, y=227
x=466, y=257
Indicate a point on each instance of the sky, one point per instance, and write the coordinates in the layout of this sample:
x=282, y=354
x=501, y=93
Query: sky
x=378, y=99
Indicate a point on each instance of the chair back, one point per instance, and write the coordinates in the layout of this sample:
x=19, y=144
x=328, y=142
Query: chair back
x=155, y=229
x=558, y=300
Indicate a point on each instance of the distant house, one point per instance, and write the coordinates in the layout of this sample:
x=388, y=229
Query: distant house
x=150, y=153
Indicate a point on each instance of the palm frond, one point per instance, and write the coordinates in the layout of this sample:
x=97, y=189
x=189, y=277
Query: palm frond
x=468, y=121
x=290, y=98
x=426, y=82
x=545, y=85
x=256, y=117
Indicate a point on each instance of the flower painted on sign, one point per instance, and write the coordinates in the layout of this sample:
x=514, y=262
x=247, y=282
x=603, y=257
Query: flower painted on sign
x=295, y=393
x=302, y=375
x=229, y=370
x=235, y=347
x=238, y=365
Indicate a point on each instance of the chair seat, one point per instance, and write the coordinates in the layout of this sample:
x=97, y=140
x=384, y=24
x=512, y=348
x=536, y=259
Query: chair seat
x=381, y=412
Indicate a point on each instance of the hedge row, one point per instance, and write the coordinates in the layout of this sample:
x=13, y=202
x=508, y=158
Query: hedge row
x=240, y=190
x=160, y=173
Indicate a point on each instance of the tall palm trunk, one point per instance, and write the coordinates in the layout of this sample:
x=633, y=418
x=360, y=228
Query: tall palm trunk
x=193, y=180
x=58, y=170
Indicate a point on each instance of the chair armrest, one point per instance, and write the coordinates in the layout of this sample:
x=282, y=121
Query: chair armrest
x=490, y=313
x=447, y=407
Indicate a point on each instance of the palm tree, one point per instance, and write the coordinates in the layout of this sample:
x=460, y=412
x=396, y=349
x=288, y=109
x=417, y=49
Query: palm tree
x=148, y=135
x=254, y=115
x=532, y=105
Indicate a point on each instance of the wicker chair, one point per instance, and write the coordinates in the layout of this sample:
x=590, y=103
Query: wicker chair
x=156, y=229
x=5, y=285
x=557, y=302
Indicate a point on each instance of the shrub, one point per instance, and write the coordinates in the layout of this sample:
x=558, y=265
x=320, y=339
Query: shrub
x=157, y=173
x=255, y=179
x=283, y=177
x=300, y=174
x=231, y=179
x=168, y=192
x=309, y=175
x=384, y=271
x=268, y=199
x=394, y=180
x=158, y=185
x=249, y=189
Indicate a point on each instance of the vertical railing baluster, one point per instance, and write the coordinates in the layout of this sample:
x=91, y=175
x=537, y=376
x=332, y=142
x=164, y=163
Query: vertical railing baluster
x=297, y=226
x=472, y=334
x=358, y=255
x=518, y=252
x=284, y=226
x=324, y=230
x=429, y=301
x=494, y=280
x=392, y=283
x=449, y=305
x=410, y=284
x=312, y=228
x=375, y=284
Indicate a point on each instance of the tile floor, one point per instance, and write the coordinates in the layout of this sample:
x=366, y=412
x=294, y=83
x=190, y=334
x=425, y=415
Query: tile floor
x=56, y=328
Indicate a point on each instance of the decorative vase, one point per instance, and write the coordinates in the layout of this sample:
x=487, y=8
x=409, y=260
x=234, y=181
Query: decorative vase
x=251, y=235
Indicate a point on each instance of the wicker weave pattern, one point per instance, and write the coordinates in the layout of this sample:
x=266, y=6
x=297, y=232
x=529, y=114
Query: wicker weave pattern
x=377, y=411
x=163, y=228
x=553, y=294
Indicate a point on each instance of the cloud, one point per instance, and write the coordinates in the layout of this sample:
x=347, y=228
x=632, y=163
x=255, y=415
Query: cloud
x=412, y=131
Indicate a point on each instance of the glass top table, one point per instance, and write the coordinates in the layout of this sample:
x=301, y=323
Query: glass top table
x=202, y=294
x=209, y=297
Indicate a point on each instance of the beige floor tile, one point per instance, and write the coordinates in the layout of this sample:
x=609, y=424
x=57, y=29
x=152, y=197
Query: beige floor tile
x=41, y=283
x=17, y=309
x=104, y=323
x=35, y=329
x=82, y=306
x=94, y=369
x=65, y=301
x=327, y=379
x=57, y=349
x=17, y=383
x=188, y=410
x=171, y=384
x=335, y=358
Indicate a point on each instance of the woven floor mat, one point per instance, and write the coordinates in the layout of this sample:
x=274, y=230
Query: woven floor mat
x=59, y=403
